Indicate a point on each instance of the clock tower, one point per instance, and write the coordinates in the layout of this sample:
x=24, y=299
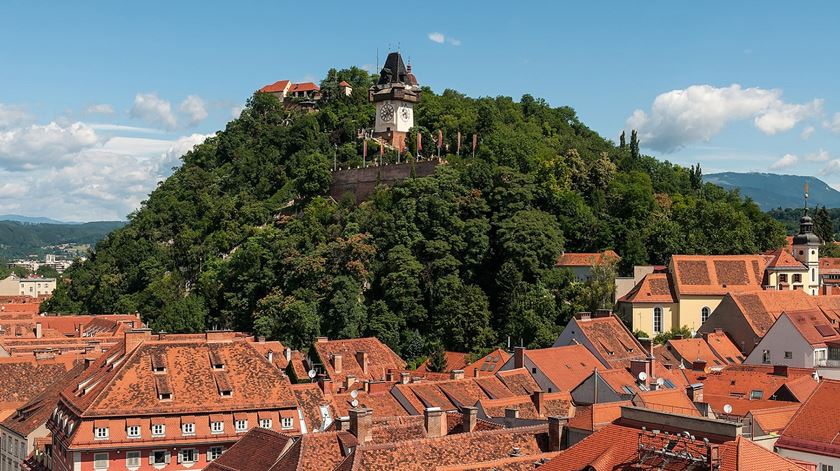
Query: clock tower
x=394, y=95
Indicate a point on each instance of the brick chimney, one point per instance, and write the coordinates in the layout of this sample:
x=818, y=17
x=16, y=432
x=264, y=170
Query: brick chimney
x=583, y=316
x=780, y=370
x=469, y=417
x=134, y=337
x=511, y=415
x=287, y=353
x=601, y=313
x=639, y=366
x=556, y=438
x=698, y=365
x=695, y=392
x=456, y=374
x=435, y=422
x=342, y=424
x=349, y=381
x=647, y=346
x=360, y=424
x=337, y=362
x=39, y=332
x=389, y=375
x=405, y=377
x=325, y=384
x=362, y=360
x=321, y=339
x=537, y=399
x=519, y=357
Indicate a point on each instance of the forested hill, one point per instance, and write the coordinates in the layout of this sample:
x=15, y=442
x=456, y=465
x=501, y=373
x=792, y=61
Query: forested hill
x=464, y=258
x=19, y=239
x=771, y=191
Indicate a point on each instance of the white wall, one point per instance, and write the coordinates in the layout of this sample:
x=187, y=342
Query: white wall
x=783, y=337
x=811, y=457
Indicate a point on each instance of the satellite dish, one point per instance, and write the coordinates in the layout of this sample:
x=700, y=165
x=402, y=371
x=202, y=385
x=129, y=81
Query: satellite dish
x=354, y=403
x=660, y=381
x=311, y=374
x=727, y=409
x=354, y=394
x=642, y=376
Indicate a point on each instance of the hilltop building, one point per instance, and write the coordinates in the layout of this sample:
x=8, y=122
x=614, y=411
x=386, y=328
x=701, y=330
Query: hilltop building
x=32, y=286
x=394, y=95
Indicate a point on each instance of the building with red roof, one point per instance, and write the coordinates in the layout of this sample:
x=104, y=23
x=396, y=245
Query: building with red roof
x=580, y=264
x=169, y=401
x=556, y=368
x=605, y=336
x=804, y=339
x=285, y=90
x=348, y=363
x=812, y=434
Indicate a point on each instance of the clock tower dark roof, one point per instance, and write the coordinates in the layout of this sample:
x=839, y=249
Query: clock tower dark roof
x=396, y=82
x=393, y=71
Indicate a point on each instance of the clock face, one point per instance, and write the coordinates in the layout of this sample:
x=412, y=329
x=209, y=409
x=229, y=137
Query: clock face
x=405, y=114
x=386, y=113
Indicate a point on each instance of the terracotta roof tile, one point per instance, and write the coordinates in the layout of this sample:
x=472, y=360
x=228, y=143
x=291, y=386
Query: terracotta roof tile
x=722, y=345
x=570, y=259
x=816, y=425
x=259, y=449
x=310, y=399
x=783, y=259
x=667, y=400
x=596, y=416
x=762, y=308
x=454, y=361
x=566, y=367
x=25, y=378
x=380, y=358
x=739, y=381
x=814, y=326
x=653, y=288
x=383, y=404
x=487, y=365
x=278, y=86
x=801, y=387
x=774, y=419
x=717, y=274
x=612, y=339
x=519, y=381
x=37, y=410
x=693, y=349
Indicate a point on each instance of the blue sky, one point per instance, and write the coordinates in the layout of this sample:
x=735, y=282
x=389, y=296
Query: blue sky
x=98, y=99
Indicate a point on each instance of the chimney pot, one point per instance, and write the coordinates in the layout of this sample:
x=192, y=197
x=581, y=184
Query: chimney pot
x=456, y=374
x=469, y=418
x=342, y=424
x=511, y=415
x=38, y=330
x=360, y=424
x=321, y=339
x=325, y=384
x=288, y=354
x=695, y=392
x=583, y=316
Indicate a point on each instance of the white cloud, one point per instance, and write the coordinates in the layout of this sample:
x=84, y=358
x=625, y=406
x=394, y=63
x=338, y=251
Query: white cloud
x=807, y=132
x=153, y=110
x=834, y=124
x=40, y=145
x=12, y=115
x=699, y=112
x=101, y=108
x=123, y=128
x=832, y=167
x=453, y=41
x=437, y=37
x=787, y=160
x=236, y=111
x=819, y=156
x=195, y=109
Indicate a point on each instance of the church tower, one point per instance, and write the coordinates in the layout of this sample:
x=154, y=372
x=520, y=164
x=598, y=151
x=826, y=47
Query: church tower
x=806, y=249
x=394, y=95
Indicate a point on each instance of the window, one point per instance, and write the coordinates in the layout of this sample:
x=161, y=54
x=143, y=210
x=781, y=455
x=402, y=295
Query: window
x=241, y=425
x=165, y=396
x=797, y=278
x=788, y=355
x=533, y=371
x=132, y=459
x=133, y=431
x=704, y=314
x=214, y=453
x=217, y=427
x=286, y=422
x=265, y=423
x=657, y=320
x=100, y=461
x=826, y=467
x=765, y=356
x=159, y=457
x=158, y=430
x=813, y=275
x=756, y=394
x=100, y=433
x=188, y=455
x=188, y=429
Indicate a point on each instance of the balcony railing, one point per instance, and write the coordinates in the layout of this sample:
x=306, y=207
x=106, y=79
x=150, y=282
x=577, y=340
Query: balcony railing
x=827, y=363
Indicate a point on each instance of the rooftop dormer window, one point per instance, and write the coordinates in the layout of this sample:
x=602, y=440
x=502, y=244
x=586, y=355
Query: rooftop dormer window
x=158, y=363
x=100, y=433
x=164, y=389
x=223, y=384
x=158, y=430
x=216, y=361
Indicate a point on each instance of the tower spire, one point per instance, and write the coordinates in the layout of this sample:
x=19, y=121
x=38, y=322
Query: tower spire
x=806, y=198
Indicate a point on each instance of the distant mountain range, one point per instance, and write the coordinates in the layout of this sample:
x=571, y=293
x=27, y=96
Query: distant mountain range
x=24, y=238
x=770, y=190
x=32, y=219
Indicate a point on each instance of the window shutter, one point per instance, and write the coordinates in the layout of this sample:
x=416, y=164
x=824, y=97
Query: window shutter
x=151, y=457
x=208, y=455
x=178, y=457
x=168, y=457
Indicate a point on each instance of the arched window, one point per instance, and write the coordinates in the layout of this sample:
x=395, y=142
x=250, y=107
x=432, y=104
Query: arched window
x=657, y=320
x=813, y=275
x=704, y=314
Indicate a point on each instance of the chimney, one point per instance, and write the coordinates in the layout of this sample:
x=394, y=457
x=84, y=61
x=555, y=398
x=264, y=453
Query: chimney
x=647, y=346
x=342, y=424
x=405, y=377
x=261, y=339
x=288, y=354
x=780, y=370
x=325, y=384
x=519, y=357
x=337, y=362
x=678, y=337
x=695, y=392
x=270, y=357
x=537, y=399
x=641, y=366
x=698, y=365
x=389, y=375
x=321, y=339
x=511, y=415
x=435, y=422
x=349, y=381
x=134, y=337
x=360, y=424
x=362, y=360
x=583, y=316
x=602, y=313
x=555, y=432
x=38, y=330
x=456, y=374
x=469, y=417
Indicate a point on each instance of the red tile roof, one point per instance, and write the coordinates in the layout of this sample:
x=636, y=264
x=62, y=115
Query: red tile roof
x=383, y=404
x=450, y=395
x=722, y=345
x=259, y=449
x=654, y=288
x=519, y=381
x=343, y=83
x=717, y=275
x=693, y=349
x=801, y=387
x=454, y=361
x=596, y=416
x=310, y=398
x=380, y=359
x=570, y=259
x=774, y=419
x=487, y=365
x=23, y=379
x=611, y=339
x=815, y=427
x=814, y=327
x=304, y=87
x=667, y=400
x=37, y=410
x=783, y=259
x=554, y=404
x=278, y=86
x=566, y=367
x=761, y=308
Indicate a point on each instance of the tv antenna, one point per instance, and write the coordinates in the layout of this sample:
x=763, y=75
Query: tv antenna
x=727, y=409
x=354, y=394
x=311, y=374
x=354, y=403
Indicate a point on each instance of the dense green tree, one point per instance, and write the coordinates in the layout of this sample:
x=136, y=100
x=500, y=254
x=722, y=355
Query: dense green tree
x=823, y=225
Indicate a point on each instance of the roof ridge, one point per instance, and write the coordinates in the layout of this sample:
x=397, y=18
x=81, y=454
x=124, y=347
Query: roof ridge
x=540, y=428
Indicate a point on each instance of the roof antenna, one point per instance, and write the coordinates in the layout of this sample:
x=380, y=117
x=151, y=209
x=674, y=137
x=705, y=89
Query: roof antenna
x=377, y=59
